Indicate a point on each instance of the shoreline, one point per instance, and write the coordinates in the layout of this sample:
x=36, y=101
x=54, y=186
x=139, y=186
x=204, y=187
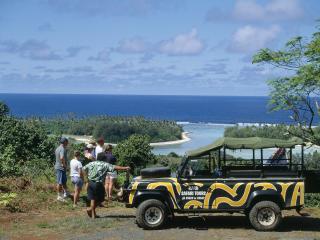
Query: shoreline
x=184, y=135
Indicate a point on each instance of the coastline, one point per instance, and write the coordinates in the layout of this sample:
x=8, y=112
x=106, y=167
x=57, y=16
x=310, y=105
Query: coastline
x=184, y=138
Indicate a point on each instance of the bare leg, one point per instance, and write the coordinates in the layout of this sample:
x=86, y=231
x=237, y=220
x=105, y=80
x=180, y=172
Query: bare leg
x=64, y=188
x=59, y=189
x=110, y=188
x=76, y=195
x=91, y=210
x=94, y=206
x=106, y=187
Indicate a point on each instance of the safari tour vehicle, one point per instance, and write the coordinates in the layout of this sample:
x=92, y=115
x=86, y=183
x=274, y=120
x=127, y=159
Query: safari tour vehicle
x=212, y=180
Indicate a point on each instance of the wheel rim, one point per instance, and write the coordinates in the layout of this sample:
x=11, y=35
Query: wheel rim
x=266, y=216
x=153, y=215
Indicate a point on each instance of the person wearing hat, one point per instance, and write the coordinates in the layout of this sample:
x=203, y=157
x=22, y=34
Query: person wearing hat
x=89, y=152
x=61, y=168
x=99, y=147
x=96, y=172
x=94, y=144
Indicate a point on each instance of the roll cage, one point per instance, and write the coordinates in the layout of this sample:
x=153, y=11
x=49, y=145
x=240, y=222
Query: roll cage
x=222, y=165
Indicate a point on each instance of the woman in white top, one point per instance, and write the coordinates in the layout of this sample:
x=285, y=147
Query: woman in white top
x=100, y=146
x=76, y=176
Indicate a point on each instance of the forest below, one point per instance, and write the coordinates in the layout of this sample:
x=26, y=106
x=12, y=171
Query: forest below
x=114, y=129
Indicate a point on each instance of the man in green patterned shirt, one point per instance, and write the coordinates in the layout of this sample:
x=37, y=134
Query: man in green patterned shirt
x=96, y=172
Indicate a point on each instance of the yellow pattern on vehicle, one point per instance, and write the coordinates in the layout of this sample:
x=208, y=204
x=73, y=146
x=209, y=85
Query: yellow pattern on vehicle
x=284, y=188
x=178, y=187
x=193, y=184
x=298, y=192
x=167, y=185
x=133, y=191
x=233, y=203
x=194, y=203
x=265, y=186
x=224, y=187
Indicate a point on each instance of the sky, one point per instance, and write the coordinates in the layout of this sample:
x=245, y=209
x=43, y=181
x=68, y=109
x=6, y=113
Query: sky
x=146, y=47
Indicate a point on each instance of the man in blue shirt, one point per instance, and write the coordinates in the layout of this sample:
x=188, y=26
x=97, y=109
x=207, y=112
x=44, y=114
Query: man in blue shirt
x=61, y=169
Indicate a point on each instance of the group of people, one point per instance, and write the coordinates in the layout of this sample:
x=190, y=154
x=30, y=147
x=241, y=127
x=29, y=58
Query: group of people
x=98, y=175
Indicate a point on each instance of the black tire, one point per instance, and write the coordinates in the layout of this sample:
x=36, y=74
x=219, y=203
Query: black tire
x=265, y=216
x=145, y=210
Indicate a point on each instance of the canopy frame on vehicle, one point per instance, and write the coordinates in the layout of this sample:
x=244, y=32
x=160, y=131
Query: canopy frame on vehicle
x=254, y=143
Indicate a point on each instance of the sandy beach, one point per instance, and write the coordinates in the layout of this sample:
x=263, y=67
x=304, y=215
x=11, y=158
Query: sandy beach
x=184, y=138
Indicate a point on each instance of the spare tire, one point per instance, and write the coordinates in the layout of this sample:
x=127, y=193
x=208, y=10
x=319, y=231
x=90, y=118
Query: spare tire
x=155, y=172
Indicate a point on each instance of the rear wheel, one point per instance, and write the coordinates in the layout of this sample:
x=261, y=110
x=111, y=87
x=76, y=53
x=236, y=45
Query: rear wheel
x=265, y=216
x=151, y=214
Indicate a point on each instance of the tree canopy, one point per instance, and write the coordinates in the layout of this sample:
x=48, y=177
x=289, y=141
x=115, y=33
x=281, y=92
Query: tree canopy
x=297, y=92
x=134, y=152
x=23, y=143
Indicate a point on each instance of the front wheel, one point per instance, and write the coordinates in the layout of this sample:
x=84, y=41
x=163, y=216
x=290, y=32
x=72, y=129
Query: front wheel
x=151, y=214
x=265, y=216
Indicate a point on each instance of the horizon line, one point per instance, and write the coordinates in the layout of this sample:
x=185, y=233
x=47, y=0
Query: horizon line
x=131, y=94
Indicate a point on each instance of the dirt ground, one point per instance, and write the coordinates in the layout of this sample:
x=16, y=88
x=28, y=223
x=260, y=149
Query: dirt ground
x=118, y=222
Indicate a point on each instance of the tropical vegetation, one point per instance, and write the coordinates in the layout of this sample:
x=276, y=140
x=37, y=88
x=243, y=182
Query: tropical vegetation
x=114, y=129
x=297, y=91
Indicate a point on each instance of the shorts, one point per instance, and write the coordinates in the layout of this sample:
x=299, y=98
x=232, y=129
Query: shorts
x=96, y=191
x=111, y=175
x=77, y=181
x=61, y=177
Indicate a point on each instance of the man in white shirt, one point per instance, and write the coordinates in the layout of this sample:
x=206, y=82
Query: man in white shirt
x=76, y=176
x=99, y=147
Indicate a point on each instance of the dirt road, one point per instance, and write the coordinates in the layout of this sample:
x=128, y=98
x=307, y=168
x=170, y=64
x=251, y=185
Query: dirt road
x=213, y=227
x=119, y=223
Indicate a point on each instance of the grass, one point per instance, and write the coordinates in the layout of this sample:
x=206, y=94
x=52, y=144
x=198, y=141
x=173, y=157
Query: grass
x=35, y=211
x=61, y=223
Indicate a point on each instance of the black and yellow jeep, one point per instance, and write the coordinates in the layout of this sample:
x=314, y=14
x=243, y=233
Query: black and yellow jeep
x=211, y=180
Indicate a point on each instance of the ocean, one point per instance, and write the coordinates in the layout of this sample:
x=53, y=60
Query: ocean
x=195, y=109
x=204, y=117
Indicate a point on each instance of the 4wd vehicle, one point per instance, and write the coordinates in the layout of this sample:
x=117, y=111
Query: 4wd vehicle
x=210, y=180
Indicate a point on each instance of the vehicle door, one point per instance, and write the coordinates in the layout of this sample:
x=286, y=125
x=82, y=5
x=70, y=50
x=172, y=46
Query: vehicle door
x=196, y=180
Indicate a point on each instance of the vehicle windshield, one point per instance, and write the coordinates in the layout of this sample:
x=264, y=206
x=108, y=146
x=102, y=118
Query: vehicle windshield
x=198, y=168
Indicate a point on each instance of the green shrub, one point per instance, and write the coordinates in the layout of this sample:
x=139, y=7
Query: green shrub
x=312, y=200
x=6, y=198
x=22, y=142
x=134, y=152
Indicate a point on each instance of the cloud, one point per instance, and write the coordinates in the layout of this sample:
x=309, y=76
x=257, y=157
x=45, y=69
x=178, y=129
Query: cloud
x=83, y=69
x=218, y=68
x=257, y=75
x=74, y=51
x=122, y=66
x=182, y=44
x=46, y=27
x=249, y=39
x=105, y=8
x=32, y=49
x=80, y=69
x=134, y=45
x=146, y=58
x=273, y=10
x=252, y=10
x=102, y=56
x=59, y=70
